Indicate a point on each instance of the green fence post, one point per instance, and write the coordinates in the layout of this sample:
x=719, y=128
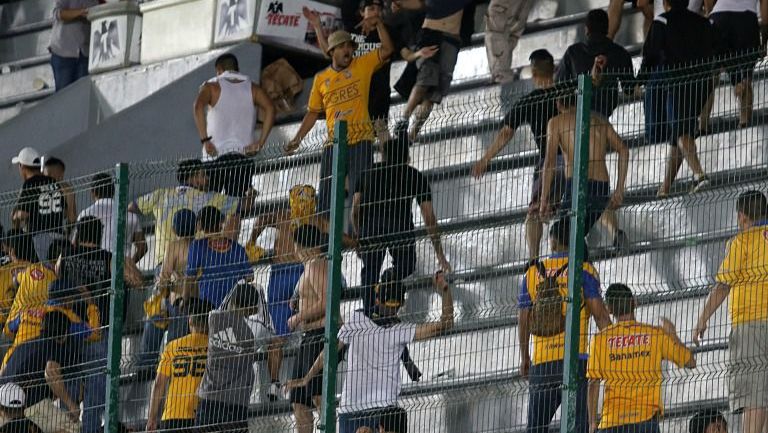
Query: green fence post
x=116, y=319
x=576, y=257
x=332, y=314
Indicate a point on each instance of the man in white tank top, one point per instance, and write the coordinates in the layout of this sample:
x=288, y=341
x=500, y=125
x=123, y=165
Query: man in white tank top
x=225, y=116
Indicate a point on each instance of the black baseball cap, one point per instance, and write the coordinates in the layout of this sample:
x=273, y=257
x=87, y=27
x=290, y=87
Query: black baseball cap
x=390, y=291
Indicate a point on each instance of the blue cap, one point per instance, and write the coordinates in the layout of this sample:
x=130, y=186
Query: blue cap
x=184, y=223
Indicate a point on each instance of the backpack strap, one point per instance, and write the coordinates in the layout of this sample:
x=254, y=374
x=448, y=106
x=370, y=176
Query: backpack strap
x=561, y=270
x=542, y=270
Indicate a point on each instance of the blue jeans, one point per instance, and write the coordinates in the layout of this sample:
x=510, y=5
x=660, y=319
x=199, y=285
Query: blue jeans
x=67, y=70
x=545, y=394
x=152, y=337
x=95, y=394
x=650, y=426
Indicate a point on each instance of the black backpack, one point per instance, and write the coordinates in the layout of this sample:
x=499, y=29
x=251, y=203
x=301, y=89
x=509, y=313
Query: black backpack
x=547, y=318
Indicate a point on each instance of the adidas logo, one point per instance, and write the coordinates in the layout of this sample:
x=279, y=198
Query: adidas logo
x=226, y=340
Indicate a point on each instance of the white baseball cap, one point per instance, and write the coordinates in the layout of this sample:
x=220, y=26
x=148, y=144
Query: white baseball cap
x=27, y=156
x=12, y=396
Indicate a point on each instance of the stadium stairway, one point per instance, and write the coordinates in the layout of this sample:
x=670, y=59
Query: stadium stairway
x=678, y=241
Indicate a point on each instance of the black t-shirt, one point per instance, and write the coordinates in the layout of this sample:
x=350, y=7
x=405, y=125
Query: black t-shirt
x=21, y=425
x=42, y=199
x=535, y=109
x=386, y=196
x=26, y=366
x=89, y=267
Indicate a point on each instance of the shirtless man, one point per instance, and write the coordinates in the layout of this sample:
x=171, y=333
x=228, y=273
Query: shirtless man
x=441, y=28
x=602, y=137
x=312, y=287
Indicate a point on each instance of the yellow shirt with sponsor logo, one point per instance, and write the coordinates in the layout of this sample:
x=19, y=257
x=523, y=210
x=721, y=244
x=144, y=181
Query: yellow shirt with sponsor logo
x=745, y=271
x=183, y=361
x=33, y=284
x=548, y=349
x=343, y=95
x=628, y=356
x=8, y=275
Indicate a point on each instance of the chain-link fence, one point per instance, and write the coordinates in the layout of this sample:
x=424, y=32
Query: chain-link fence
x=222, y=276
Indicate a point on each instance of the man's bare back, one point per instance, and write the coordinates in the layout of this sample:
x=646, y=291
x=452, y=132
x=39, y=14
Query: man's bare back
x=172, y=272
x=450, y=24
x=562, y=132
x=312, y=290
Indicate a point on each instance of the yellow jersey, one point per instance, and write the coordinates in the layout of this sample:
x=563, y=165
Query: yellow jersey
x=745, y=271
x=33, y=284
x=548, y=349
x=183, y=361
x=8, y=275
x=163, y=204
x=627, y=356
x=343, y=95
x=28, y=325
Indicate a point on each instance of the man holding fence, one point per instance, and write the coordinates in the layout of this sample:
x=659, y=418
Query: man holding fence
x=743, y=276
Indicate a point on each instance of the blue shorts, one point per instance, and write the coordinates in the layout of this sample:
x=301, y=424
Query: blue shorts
x=282, y=282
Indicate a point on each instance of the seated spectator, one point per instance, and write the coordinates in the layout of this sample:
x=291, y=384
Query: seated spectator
x=180, y=372
x=601, y=204
x=70, y=41
x=383, y=220
x=579, y=59
x=40, y=207
x=535, y=109
x=675, y=47
x=55, y=168
x=374, y=351
x=708, y=421
x=103, y=193
x=66, y=299
x=21, y=251
x=165, y=308
x=191, y=194
x=13, y=400
x=39, y=366
x=215, y=263
x=233, y=345
x=441, y=28
x=628, y=357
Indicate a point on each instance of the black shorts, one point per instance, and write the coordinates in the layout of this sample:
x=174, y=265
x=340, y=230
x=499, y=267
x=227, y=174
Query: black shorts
x=177, y=424
x=436, y=73
x=555, y=191
x=380, y=96
x=739, y=37
x=684, y=104
x=598, y=195
x=231, y=174
x=392, y=419
x=310, y=348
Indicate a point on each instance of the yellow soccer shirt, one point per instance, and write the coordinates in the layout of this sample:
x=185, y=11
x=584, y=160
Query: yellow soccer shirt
x=548, y=349
x=183, y=361
x=33, y=284
x=627, y=356
x=343, y=95
x=163, y=204
x=745, y=271
x=8, y=275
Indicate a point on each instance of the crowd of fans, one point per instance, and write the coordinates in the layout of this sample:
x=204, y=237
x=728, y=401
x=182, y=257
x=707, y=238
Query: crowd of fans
x=216, y=322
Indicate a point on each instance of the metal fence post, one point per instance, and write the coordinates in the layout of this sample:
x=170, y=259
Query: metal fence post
x=332, y=314
x=116, y=319
x=576, y=256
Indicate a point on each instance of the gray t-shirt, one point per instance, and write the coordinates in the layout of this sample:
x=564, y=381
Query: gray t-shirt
x=233, y=344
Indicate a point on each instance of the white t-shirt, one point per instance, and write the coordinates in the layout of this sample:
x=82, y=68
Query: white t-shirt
x=232, y=120
x=693, y=6
x=102, y=209
x=735, y=6
x=373, y=378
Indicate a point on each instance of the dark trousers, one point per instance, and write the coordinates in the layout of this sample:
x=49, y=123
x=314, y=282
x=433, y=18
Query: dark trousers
x=650, y=426
x=545, y=394
x=359, y=160
x=373, y=251
x=67, y=70
x=214, y=416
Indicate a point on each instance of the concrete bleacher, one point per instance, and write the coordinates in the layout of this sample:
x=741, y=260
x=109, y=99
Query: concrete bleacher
x=470, y=376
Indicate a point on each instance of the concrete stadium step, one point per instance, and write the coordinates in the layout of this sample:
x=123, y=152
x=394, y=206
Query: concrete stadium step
x=29, y=80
